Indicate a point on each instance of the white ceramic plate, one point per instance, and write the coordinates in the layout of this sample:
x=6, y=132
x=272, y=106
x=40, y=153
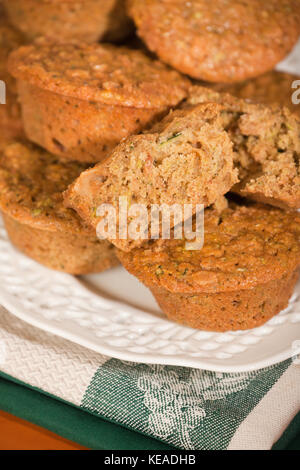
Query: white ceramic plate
x=113, y=314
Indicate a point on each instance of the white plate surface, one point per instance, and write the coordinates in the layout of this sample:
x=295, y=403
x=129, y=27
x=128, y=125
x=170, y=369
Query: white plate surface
x=113, y=314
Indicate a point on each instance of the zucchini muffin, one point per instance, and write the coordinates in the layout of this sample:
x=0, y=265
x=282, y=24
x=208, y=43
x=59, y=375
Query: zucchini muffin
x=10, y=113
x=187, y=158
x=243, y=276
x=79, y=101
x=218, y=41
x=70, y=20
x=31, y=185
x=266, y=143
x=271, y=88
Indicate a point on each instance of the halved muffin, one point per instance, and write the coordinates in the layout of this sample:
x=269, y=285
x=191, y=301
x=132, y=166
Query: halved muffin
x=186, y=159
x=266, y=142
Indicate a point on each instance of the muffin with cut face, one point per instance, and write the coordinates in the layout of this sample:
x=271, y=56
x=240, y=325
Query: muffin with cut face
x=187, y=158
x=266, y=142
x=218, y=41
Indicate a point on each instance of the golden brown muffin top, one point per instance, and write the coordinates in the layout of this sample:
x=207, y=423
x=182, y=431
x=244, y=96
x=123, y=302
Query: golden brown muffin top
x=31, y=185
x=98, y=72
x=219, y=40
x=243, y=246
x=270, y=88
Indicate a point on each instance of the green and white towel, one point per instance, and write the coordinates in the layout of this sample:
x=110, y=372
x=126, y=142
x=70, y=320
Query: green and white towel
x=187, y=408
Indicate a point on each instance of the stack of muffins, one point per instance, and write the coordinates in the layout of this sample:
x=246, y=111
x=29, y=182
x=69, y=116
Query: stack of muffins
x=93, y=121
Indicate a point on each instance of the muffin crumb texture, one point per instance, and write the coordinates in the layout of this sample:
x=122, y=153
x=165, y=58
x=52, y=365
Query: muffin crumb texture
x=187, y=158
x=266, y=145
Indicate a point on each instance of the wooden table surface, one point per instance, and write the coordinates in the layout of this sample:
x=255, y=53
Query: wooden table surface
x=16, y=434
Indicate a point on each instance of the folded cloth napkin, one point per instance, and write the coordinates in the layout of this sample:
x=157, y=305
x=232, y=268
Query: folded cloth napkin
x=187, y=408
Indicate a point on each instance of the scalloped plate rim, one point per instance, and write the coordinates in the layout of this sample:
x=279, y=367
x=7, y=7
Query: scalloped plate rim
x=132, y=357
x=13, y=306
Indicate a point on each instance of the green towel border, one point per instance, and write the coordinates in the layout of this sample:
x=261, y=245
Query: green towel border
x=90, y=430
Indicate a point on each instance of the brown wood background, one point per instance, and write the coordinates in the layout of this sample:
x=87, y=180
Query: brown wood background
x=16, y=434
